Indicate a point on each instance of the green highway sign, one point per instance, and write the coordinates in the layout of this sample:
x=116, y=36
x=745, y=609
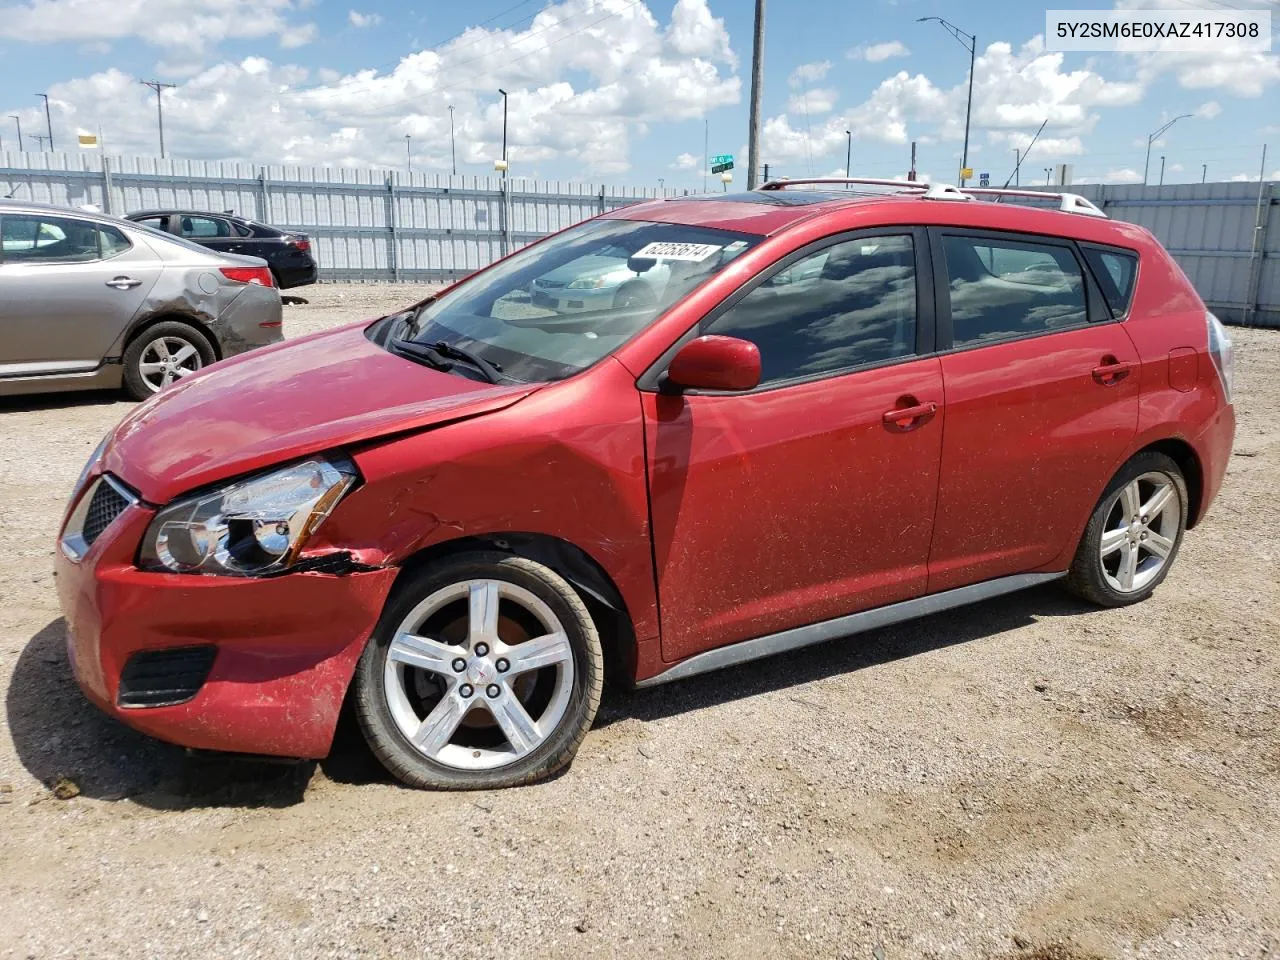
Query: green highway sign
x=720, y=158
x=722, y=167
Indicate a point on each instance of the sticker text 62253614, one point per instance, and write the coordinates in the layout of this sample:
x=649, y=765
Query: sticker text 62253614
x=665, y=250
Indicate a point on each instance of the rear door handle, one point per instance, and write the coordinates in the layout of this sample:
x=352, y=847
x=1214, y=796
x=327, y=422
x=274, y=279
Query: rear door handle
x=1111, y=371
x=911, y=416
x=124, y=283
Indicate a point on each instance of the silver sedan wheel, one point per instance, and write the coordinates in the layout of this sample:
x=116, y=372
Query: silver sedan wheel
x=479, y=674
x=1140, y=531
x=167, y=359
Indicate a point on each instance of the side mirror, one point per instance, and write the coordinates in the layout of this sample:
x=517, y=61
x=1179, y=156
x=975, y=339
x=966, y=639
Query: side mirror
x=716, y=363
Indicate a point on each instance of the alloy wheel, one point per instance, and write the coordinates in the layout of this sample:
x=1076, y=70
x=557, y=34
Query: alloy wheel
x=478, y=674
x=167, y=359
x=1140, y=531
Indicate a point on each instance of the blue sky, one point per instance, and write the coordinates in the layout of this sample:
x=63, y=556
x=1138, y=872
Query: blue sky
x=618, y=91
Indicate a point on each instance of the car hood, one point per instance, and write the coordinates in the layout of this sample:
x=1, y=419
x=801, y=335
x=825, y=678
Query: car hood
x=300, y=397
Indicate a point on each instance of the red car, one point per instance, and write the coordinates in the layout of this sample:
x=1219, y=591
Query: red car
x=799, y=415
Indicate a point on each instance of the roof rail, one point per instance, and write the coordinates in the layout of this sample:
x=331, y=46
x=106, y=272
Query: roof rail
x=1067, y=202
x=930, y=191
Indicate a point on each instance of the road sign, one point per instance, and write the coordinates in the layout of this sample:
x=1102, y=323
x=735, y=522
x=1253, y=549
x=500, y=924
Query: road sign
x=984, y=179
x=966, y=173
x=720, y=158
x=722, y=167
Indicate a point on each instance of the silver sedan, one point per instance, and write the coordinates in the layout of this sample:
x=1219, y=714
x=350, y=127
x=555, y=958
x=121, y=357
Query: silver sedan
x=89, y=302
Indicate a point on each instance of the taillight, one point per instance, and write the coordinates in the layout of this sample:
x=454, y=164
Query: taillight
x=1222, y=354
x=259, y=275
x=300, y=243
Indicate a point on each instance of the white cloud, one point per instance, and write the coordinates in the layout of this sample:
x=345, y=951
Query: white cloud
x=808, y=73
x=813, y=102
x=362, y=20
x=1207, y=111
x=585, y=76
x=877, y=52
x=169, y=23
x=687, y=161
x=300, y=36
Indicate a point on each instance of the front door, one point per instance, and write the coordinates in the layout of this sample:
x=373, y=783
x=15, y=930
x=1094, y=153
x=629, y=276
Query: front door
x=811, y=496
x=1042, y=402
x=68, y=289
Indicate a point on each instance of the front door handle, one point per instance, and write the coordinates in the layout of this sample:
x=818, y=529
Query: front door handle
x=909, y=414
x=1111, y=371
x=124, y=283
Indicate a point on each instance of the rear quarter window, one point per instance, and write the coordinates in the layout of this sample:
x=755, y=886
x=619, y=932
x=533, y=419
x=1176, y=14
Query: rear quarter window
x=1116, y=272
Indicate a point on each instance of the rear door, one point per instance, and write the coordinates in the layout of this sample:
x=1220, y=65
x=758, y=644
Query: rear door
x=811, y=496
x=1042, y=402
x=68, y=289
x=216, y=233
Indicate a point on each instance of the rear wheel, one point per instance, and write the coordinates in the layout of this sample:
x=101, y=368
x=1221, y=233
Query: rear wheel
x=485, y=671
x=163, y=354
x=1134, y=534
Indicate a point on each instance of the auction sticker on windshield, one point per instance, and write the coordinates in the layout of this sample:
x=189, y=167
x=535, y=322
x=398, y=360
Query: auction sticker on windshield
x=667, y=250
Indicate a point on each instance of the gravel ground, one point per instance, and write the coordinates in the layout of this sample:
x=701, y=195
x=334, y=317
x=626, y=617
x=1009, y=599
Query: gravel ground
x=1027, y=778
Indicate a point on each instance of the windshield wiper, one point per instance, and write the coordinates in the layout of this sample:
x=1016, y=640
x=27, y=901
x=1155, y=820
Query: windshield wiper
x=492, y=371
x=445, y=359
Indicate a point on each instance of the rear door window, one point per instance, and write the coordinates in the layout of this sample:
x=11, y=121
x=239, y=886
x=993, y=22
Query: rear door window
x=1115, y=271
x=1003, y=289
x=204, y=228
x=155, y=223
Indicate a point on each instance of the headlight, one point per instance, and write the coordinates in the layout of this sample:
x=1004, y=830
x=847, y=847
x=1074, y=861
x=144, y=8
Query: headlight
x=587, y=283
x=249, y=528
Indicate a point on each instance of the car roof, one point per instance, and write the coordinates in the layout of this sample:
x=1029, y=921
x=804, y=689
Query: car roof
x=771, y=211
x=183, y=212
x=12, y=205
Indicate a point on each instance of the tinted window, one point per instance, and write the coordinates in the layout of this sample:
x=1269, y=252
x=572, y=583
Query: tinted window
x=204, y=227
x=1010, y=288
x=1115, y=273
x=849, y=304
x=113, y=241
x=38, y=239
x=155, y=223
x=242, y=230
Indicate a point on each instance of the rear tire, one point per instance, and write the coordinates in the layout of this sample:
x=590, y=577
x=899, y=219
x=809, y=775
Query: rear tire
x=485, y=671
x=163, y=354
x=1133, y=537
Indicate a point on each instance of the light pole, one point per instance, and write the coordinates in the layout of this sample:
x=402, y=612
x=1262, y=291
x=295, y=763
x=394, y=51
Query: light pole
x=504, y=132
x=47, y=119
x=453, y=146
x=408, y=154
x=159, y=88
x=1204, y=171
x=1162, y=171
x=1152, y=138
x=662, y=187
x=848, y=154
x=968, y=110
x=18, y=120
x=1048, y=176
x=1017, y=166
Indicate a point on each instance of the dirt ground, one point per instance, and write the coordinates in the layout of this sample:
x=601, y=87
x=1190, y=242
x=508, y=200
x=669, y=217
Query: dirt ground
x=1027, y=778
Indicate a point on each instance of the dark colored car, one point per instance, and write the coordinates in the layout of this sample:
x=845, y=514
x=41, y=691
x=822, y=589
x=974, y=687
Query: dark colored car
x=838, y=410
x=287, y=254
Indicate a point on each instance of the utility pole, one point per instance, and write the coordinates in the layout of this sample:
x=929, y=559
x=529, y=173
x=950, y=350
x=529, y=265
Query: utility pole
x=972, y=44
x=757, y=91
x=1048, y=175
x=18, y=120
x=766, y=173
x=706, y=151
x=41, y=139
x=1151, y=138
x=662, y=190
x=1204, y=171
x=848, y=154
x=911, y=174
x=1017, y=165
x=159, y=87
x=1162, y=171
x=504, y=132
x=47, y=119
x=408, y=154
x=453, y=146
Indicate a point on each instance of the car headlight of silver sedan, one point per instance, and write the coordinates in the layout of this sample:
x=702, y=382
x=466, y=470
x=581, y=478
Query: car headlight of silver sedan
x=251, y=527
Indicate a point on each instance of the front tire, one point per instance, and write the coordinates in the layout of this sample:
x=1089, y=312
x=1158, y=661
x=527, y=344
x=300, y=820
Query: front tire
x=1134, y=534
x=484, y=671
x=163, y=354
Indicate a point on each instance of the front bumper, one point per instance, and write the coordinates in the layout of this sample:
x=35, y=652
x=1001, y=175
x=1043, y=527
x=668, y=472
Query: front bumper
x=286, y=646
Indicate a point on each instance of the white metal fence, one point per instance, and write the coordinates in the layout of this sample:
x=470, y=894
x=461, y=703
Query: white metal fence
x=364, y=224
x=386, y=225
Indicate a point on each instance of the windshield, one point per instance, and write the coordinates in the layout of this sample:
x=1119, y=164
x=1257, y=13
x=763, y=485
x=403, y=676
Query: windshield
x=555, y=309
